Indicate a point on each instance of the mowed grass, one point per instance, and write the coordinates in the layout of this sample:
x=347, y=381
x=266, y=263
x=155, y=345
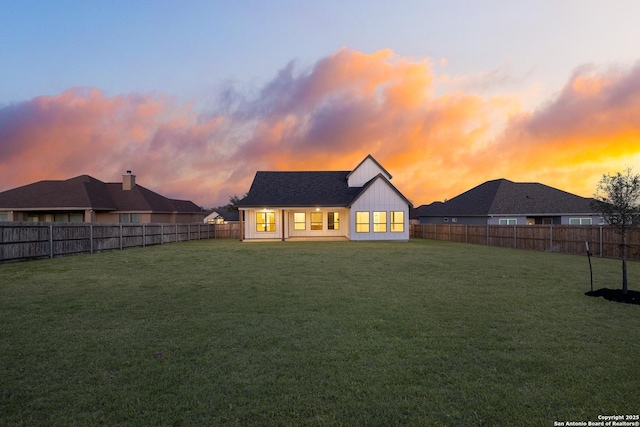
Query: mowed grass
x=315, y=333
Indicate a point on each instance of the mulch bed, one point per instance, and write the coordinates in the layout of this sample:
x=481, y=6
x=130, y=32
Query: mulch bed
x=632, y=297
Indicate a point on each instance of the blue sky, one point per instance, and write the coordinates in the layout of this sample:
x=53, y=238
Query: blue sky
x=492, y=89
x=186, y=49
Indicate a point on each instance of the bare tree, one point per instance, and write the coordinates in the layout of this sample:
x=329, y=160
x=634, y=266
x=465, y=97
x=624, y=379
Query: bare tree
x=617, y=199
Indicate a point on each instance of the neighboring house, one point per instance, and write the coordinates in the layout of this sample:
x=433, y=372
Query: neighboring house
x=361, y=204
x=221, y=216
x=503, y=202
x=86, y=199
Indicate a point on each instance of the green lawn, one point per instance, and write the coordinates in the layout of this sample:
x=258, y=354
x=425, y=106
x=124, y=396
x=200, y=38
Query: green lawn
x=315, y=333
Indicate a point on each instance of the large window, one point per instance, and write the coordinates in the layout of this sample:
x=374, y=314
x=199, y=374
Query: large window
x=508, y=221
x=333, y=221
x=299, y=221
x=4, y=216
x=362, y=222
x=397, y=221
x=316, y=220
x=265, y=221
x=380, y=222
x=580, y=221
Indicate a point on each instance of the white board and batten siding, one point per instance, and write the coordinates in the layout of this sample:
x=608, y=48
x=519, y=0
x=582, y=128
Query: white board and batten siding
x=380, y=196
x=250, y=231
x=364, y=172
x=343, y=223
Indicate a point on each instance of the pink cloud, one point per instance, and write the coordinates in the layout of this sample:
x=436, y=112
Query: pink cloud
x=330, y=116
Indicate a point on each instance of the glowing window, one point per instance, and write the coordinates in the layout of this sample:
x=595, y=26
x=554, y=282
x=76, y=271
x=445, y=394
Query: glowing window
x=362, y=222
x=397, y=221
x=316, y=220
x=265, y=221
x=379, y=222
x=333, y=220
x=299, y=221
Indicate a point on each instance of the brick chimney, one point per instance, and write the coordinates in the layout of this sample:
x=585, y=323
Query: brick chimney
x=128, y=181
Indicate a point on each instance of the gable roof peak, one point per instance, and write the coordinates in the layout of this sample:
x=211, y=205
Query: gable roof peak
x=370, y=157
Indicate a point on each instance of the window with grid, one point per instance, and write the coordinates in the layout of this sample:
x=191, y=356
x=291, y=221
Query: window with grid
x=265, y=221
x=316, y=220
x=299, y=221
x=380, y=222
x=397, y=221
x=362, y=222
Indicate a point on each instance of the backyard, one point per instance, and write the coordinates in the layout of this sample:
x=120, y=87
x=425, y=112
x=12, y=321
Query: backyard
x=217, y=332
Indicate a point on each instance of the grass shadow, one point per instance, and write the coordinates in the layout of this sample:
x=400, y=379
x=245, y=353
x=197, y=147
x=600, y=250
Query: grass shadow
x=616, y=295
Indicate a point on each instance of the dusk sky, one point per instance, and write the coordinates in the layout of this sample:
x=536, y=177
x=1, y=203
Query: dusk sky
x=195, y=97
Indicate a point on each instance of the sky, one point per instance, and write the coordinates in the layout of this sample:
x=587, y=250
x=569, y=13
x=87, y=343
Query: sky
x=195, y=97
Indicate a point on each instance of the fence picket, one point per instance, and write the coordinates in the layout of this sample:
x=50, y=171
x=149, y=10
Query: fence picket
x=28, y=240
x=551, y=238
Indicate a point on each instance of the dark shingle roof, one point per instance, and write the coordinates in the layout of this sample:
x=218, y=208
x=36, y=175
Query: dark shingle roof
x=504, y=197
x=281, y=189
x=228, y=215
x=306, y=189
x=85, y=192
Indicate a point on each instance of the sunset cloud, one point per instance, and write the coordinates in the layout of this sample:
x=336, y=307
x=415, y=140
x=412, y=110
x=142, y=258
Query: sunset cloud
x=435, y=142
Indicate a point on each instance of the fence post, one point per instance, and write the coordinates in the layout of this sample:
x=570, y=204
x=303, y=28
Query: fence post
x=120, y=236
x=601, y=248
x=488, y=235
x=91, y=238
x=176, y=226
x=515, y=237
x=466, y=236
x=551, y=238
x=144, y=237
x=50, y=240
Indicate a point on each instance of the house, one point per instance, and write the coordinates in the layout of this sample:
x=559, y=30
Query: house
x=361, y=204
x=86, y=199
x=221, y=216
x=504, y=202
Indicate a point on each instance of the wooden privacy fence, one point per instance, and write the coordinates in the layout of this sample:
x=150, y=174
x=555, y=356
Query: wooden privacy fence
x=27, y=240
x=603, y=240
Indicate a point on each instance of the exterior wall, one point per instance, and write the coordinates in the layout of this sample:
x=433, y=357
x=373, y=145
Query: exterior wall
x=250, y=231
x=520, y=220
x=343, y=230
x=469, y=220
x=107, y=217
x=364, y=173
x=379, y=197
x=595, y=219
x=90, y=216
x=47, y=215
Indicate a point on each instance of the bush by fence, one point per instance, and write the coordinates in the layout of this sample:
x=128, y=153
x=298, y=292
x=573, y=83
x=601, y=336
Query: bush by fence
x=570, y=239
x=28, y=240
